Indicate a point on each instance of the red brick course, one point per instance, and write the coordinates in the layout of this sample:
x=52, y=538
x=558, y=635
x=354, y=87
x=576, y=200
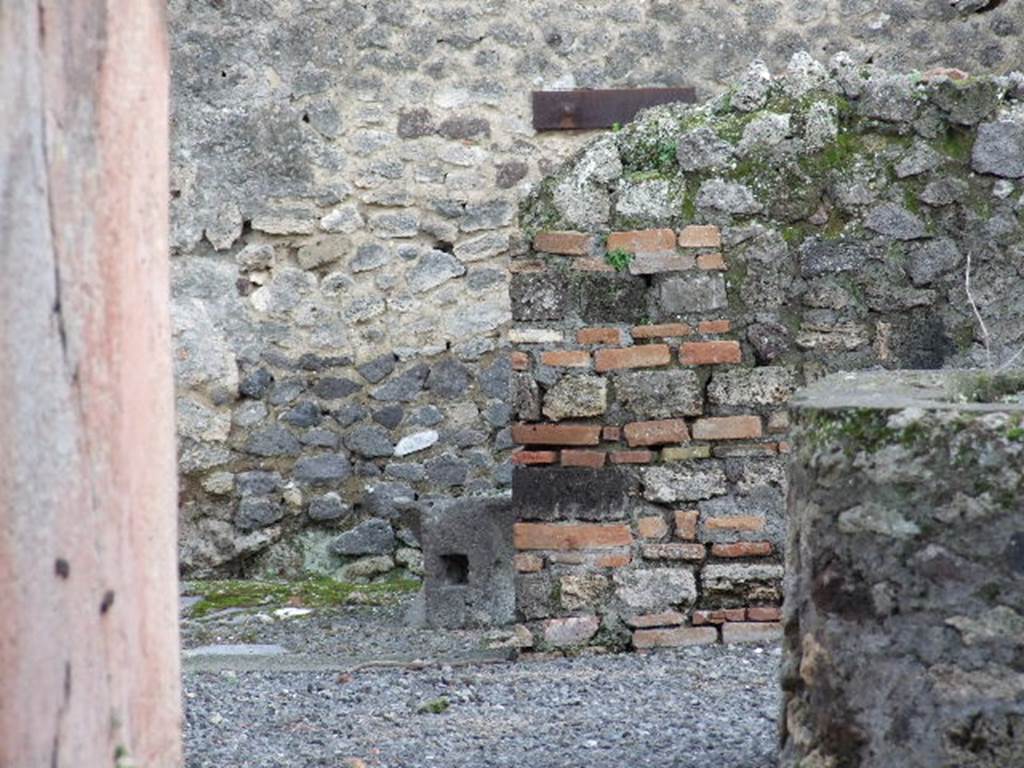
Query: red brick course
x=742, y=549
x=571, y=536
x=644, y=356
x=710, y=352
x=598, y=336
x=520, y=361
x=556, y=434
x=686, y=524
x=631, y=457
x=674, y=637
x=658, y=432
x=727, y=428
x=700, y=236
x=566, y=358
x=526, y=458
x=575, y=457
x=714, y=326
x=564, y=243
x=663, y=619
x=665, y=330
x=642, y=241
x=711, y=261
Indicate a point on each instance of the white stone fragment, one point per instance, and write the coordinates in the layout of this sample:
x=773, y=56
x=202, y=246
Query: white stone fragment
x=416, y=442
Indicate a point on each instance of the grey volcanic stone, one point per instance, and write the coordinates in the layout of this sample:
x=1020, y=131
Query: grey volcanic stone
x=304, y=414
x=447, y=470
x=257, y=483
x=895, y=221
x=255, y=383
x=701, y=149
x=769, y=340
x=692, y=292
x=742, y=387
x=576, y=396
x=999, y=149
x=931, y=259
x=467, y=558
x=369, y=441
x=539, y=295
x=433, y=269
x=494, y=379
x=389, y=417
x=333, y=388
x=651, y=591
x=660, y=394
x=461, y=127
x=448, y=378
x=607, y=298
x=254, y=512
x=273, y=441
x=370, y=537
x=727, y=197
x=572, y=493
x=377, y=369
x=667, y=484
x=415, y=123
x=324, y=469
x=327, y=507
x=405, y=387
x=820, y=256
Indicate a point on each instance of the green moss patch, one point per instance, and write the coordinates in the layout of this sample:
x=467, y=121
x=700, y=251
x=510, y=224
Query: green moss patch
x=218, y=595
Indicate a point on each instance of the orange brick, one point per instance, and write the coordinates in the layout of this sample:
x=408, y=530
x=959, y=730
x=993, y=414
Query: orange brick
x=686, y=524
x=598, y=336
x=735, y=523
x=700, y=618
x=657, y=432
x=751, y=632
x=564, y=243
x=742, y=549
x=784, y=447
x=675, y=637
x=566, y=358
x=710, y=352
x=520, y=361
x=711, y=261
x=642, y=241
x=714, y=326
x=570, y=536
x=611, y=434
x=727, y=428
x=764, y=613
x=674, y=551
x=614, y=561
x=591, y=264
x=644, y=356
x=663, y=619
x=660, y=331
x=519, y=266
x=527, y=563
x=700, y=236
x=556, y=434
x=653, y=527
x=574, y=457
x=525, y=458
x=631, y=457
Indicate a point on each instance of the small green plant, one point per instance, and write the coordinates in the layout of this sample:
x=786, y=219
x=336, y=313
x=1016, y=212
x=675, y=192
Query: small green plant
x=434, y=706
x=616, y=127
x=619, y=258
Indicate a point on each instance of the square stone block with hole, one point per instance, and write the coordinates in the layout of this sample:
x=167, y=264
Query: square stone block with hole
x=468, y=562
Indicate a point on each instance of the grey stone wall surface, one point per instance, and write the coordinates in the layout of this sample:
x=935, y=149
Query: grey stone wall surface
x=904, y=612
x=344, y=189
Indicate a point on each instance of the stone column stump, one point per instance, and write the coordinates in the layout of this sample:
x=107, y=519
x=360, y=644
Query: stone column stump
x=904, y=608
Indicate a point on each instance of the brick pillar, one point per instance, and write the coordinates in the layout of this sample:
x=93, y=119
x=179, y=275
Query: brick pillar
x=88, y=597
x=647, y=487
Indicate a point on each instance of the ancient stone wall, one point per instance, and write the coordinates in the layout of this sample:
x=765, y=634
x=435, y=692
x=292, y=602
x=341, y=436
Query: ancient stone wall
x=686, y=273
x=345, y=177
x=904, y=615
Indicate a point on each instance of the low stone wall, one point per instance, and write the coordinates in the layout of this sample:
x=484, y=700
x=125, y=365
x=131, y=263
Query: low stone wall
x=904, y=610
x=685, y=274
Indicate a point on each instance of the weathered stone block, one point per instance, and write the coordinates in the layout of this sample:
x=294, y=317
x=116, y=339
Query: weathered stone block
x=738, y=585
x=659, y=394
x=656, y=590
x=550, y=493
x=576, y=396
x=692, y=292
x=467, y=560
x=539, y=295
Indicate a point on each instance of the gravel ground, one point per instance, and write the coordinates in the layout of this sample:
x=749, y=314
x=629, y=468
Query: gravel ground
x=713, y=706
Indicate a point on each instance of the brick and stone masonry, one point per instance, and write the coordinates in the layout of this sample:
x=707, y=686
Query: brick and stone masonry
x=685, y=274
x=904, y=611
x=648, y=512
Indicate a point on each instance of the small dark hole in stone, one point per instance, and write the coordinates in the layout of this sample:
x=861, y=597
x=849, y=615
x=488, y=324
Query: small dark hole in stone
x=62, y=567
x=456, y=569
x=305, y=117
x=108, y=600
x=443, y=245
